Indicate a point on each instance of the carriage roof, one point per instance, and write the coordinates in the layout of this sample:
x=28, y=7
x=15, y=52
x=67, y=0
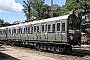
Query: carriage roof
x=39, y=21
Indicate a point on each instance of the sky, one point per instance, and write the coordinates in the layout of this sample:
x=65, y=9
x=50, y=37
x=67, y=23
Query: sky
x=11, y=10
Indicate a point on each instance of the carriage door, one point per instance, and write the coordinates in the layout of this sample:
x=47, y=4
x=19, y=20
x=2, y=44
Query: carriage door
x=51, y=31
x=34, y=32
x=38, y=35
x=58, y=31
x=43, y=34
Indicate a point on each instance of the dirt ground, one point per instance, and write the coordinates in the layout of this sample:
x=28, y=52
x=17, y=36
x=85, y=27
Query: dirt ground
x=16, y=54
x=21, y=53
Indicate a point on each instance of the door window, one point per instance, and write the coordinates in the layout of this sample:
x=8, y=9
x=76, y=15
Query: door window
x=34, y=28
x=37, y=28
x=63, y=26
x=53, y=27
x=49, y=27
x=58, y=26
x=42, y=28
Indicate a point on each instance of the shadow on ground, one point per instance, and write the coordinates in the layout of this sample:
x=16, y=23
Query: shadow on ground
x=86, y=52
x=7, y=57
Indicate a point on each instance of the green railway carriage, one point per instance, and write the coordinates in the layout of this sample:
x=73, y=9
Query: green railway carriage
x=48, y=34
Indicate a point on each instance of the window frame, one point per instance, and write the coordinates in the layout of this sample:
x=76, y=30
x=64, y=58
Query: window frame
x=34, y=28
x=38, y=28
x=14, y=30
x=46, y=28
x=53, y=27
x=59, y=26
x=43, y=27
x=49, y=27
x=63, y=26
x=24, y=30
x=1, y=32
x=26, y=27
x=9, y=30
x=19, y=30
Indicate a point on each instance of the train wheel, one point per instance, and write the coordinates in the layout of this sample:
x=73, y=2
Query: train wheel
x=5, y=43
x=57, y=49
x=49, y=48
x=53, y=49
x=11, y=43
x=37, y=46
x=41, y=47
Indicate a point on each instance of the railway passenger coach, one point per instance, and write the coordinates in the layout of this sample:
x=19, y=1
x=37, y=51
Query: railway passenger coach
x=53, y=34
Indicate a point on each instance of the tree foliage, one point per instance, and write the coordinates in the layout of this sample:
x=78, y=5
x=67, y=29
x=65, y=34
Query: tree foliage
x=81, y=7
x=57, y=10
x=6, y=23
x=40, y=10
x=2, y=22
x=36, y=7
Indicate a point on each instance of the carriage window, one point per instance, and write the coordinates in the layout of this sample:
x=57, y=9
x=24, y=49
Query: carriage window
x=1, y=32
x=49, y=28
x=63, y=26
x=14, y=31
x=37, y=28
x=9, y=31
x=53, y=28
x=70, y=26
x=34, y=28
x=58, y=26
x=78, y=26
x=42, y=28
x=31, y=29
x=26, y=29
x=45, y=28
x=4, y=31
x=19, y=30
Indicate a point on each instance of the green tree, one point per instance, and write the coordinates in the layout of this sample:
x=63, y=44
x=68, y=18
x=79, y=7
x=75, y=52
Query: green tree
x=1, y=21
x=81, y=7
x=45, y=12
x=65, y=10
x=57, y=10
x=36, y=7
x=6, y=23
x=40, y=10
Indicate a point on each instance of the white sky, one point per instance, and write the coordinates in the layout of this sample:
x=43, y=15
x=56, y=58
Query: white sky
x=10, y=6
